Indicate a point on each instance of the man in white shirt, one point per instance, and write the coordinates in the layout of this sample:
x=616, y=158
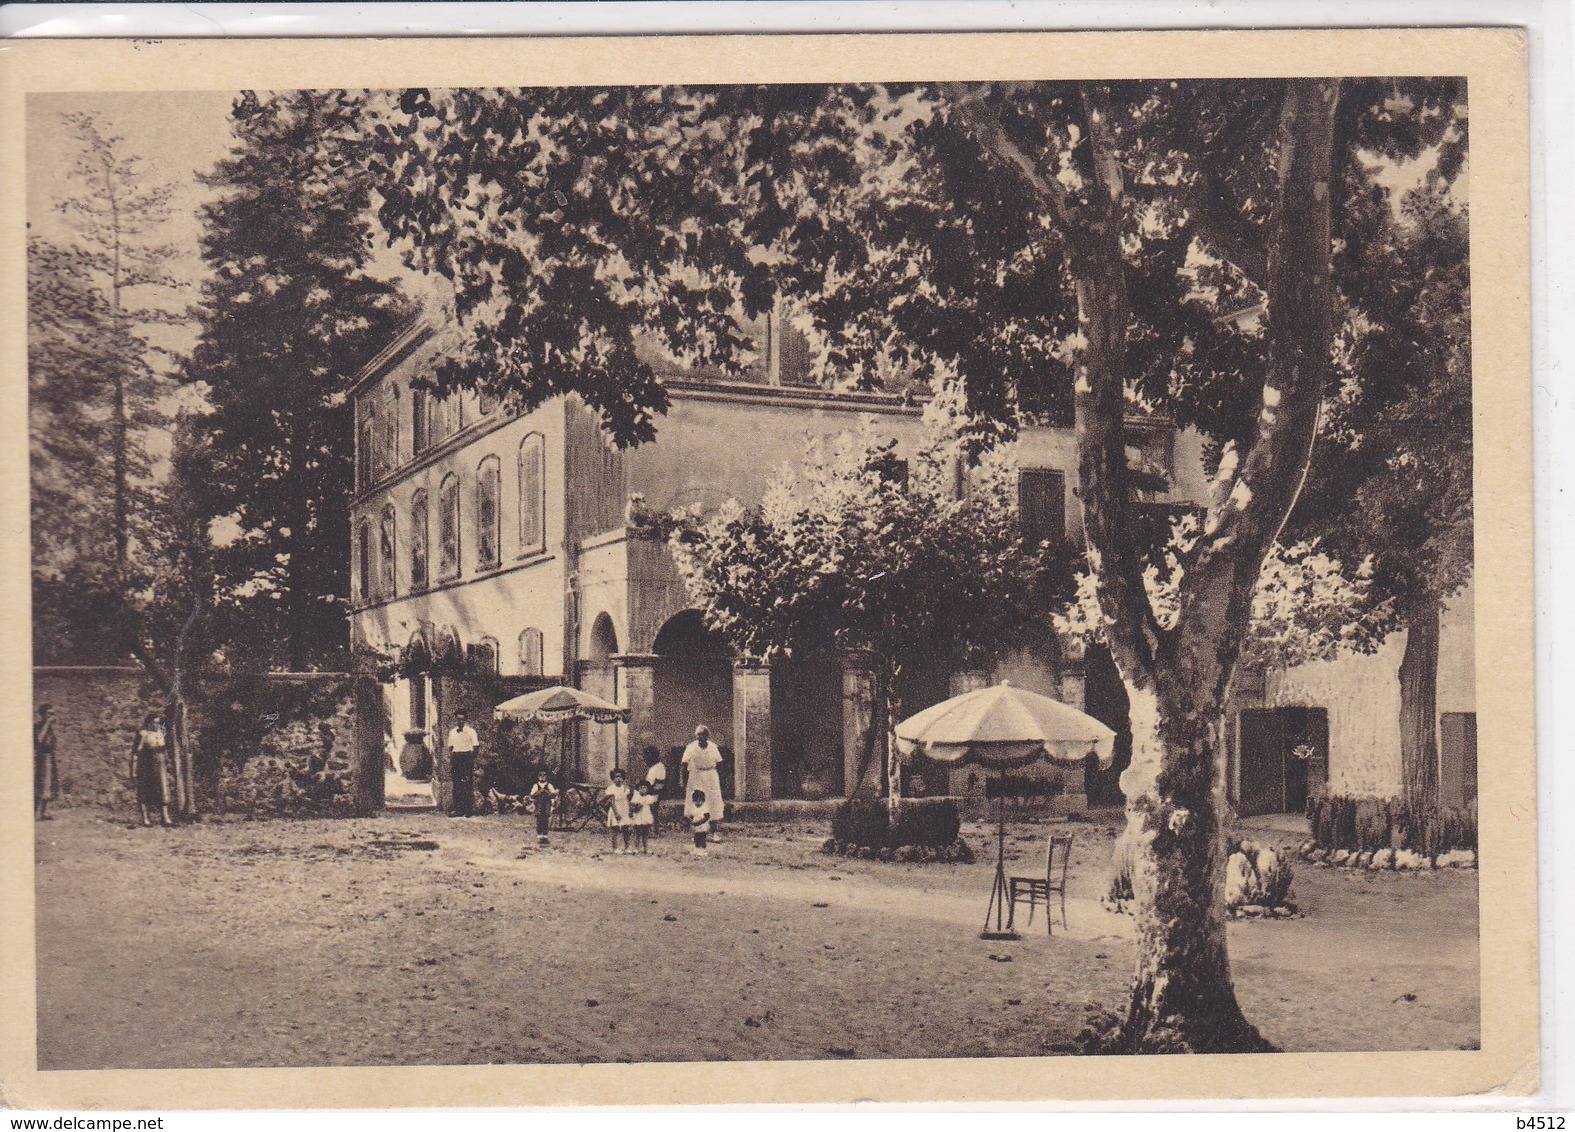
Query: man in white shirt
x=462, y=744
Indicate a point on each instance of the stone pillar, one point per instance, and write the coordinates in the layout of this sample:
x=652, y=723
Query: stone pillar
x=963, y=682
x=751, y=731
x=636, y=679
x=366, y=768
x=858, y=712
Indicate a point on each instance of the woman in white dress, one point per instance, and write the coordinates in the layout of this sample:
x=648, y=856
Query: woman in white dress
x=701, y=758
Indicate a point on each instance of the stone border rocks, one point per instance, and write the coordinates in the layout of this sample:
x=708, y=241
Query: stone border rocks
x=1380, y=860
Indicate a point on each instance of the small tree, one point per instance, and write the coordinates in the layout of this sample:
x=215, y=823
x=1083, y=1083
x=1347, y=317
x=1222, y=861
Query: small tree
x=856, y=549
x=116, y=564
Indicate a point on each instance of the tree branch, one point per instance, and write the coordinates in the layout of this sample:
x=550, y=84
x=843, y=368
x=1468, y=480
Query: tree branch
x=1252, y=503
x=1099, y=406
x=1092, y=239
x=986, y=127
x=1226, y=231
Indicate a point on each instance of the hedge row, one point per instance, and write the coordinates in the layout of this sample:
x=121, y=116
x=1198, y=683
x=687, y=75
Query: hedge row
x=866, y=822
x=1366, y=825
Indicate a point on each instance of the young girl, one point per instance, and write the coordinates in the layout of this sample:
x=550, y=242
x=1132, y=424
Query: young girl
x=655, y=786
x=616, y=798
x=641, y=806
x=543, y=796
x=699, y=821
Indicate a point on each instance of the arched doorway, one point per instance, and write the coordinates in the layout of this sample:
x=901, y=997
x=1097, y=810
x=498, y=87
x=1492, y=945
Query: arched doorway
x=692, y=684
x=598, y=676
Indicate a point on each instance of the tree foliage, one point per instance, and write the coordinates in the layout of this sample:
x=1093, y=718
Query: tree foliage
x=1056, y=249
x=289, y=313
x=99, y=413
x=856, y=549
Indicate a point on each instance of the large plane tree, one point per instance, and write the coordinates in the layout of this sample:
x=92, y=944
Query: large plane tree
x=1063, y=251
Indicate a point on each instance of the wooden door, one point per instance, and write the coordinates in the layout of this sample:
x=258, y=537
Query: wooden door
x=1262, y=745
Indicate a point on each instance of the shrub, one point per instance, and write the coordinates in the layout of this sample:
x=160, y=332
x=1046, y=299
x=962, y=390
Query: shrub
x=866, y=822
x=1367, y=825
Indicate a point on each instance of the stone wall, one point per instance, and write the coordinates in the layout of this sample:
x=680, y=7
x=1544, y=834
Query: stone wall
x=97, y=712
x=1361, y=693
x=266, y=744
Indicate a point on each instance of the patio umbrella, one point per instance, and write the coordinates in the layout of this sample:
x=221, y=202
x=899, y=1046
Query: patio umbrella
x=560, y=704
x=1003, y=728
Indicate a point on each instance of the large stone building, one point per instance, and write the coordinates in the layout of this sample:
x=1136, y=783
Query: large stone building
x=491, y=554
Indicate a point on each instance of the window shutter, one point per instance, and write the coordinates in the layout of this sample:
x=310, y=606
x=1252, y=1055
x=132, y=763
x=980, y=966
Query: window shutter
x=1041, y=504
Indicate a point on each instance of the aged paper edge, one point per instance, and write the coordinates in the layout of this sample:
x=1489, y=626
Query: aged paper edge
x=1495, y=64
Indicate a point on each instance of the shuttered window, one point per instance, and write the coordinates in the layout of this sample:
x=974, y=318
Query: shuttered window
x=488, y=483
x=1041, y=504
x=418, y=541
x=448, y=528
x=532, y=476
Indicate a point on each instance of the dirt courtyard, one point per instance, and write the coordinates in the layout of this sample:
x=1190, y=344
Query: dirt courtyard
x=323, y=943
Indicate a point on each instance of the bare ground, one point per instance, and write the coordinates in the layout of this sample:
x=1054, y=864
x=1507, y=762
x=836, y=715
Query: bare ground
x=308, y=943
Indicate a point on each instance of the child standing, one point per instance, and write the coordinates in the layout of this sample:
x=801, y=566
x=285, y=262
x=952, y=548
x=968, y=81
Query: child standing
x=699, y=821
x=543, y=797
x=655, y=786
x=641, y=807
x=617, y=798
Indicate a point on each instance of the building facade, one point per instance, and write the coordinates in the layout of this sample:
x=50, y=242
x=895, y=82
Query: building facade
x=492, y=548
x=491, y=554
x=1333, y=727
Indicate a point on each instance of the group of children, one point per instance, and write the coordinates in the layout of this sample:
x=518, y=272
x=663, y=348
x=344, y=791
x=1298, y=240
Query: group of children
x=631, y=810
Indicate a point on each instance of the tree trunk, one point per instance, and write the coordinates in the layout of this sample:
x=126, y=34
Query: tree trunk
x=1419, y=707
x=1182, y=998
x=1177, y=675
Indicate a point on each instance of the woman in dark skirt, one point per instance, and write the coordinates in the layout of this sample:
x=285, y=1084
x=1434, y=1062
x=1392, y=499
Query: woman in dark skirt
x=149, y=774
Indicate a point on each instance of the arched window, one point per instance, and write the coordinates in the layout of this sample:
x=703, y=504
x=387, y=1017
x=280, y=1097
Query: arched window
x=532, y=477
x=386, y=561
x=364, y=563
x=420, y=420
x=489, y=482
x=366, y=449
x=391, y=429
x=448, y=527
x=531, y=653
x=484, y=657
x=418, y=541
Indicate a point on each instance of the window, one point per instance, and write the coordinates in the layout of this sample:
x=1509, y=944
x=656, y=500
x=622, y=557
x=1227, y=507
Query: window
x=489, y=481
x=532, y=476
x=420, y=420
x=364, y=450
x=484, y=657
x=448, y=528
x=531, y=653
x=364, y=561
x=1041, y=504
x=386, y=561
x=488, y=402
x=418, y=541
x=391, y=429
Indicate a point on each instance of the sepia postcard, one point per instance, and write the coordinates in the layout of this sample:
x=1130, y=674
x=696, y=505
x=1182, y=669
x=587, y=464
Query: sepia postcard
x=768, y=569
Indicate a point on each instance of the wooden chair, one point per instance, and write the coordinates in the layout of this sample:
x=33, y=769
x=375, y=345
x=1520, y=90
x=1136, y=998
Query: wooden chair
x=1038, y=890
